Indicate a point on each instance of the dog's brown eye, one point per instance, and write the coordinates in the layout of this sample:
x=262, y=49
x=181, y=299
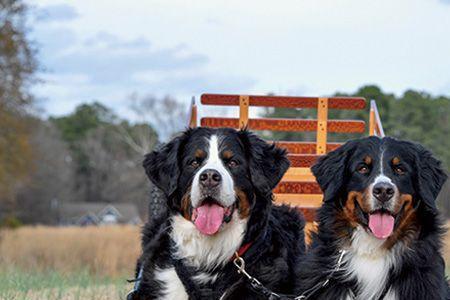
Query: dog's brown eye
x=233, y=164
x=363, y=169
x=195, y=164
x=399, y=170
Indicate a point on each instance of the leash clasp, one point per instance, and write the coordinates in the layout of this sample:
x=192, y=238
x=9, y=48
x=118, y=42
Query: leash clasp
x=239, y=262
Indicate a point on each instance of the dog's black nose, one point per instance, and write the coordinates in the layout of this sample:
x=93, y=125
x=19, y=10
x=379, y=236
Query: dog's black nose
x=383, y=191
x=210, y=178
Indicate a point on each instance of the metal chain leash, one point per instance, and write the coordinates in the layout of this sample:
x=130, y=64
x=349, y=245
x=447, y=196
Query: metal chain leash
x=239, y=262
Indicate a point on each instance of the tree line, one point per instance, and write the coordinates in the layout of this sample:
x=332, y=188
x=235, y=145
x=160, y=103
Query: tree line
x=89, y=155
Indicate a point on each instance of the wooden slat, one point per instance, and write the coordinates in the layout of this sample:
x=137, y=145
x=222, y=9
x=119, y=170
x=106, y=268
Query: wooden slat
x=302, y=160
x=322, y=118
x=295, y=187
x=342, y=126
x=285, y=101
x=298, y=174
x=305, y=147
x=303, y=200
x=243, y=111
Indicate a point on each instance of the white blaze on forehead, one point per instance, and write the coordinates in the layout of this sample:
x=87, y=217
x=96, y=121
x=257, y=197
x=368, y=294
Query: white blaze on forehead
x=226, y=194
x=382, y=178
x=381, y=162
x=213, y=153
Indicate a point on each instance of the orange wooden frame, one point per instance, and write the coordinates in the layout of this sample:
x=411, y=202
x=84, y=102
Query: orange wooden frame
x=298, y=186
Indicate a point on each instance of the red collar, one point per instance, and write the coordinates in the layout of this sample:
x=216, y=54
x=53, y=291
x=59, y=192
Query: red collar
x=241, y=250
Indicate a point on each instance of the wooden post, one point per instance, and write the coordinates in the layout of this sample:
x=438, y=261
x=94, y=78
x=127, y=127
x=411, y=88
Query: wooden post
x=243, y=111
x=375, y=126
x=372, y=120
x=193, y=117
x=322, y=120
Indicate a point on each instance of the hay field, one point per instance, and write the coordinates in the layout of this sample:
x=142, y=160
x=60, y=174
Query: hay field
x=104, y=251
x=68, y=263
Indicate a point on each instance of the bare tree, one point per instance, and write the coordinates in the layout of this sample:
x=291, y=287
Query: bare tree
x=166, y=115
x=51, y=176
x=115, y=173
x=141, y=137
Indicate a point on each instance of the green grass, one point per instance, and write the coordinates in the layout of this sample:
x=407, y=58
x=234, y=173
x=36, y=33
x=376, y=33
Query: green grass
x=50, y=285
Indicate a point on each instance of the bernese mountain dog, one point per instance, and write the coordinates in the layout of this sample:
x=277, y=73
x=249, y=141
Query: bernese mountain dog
x=218, y=184
x=379, y=233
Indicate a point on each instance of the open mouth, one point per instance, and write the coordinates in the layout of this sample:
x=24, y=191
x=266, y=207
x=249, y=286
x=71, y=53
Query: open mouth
x=381, y=222
x=209, y=216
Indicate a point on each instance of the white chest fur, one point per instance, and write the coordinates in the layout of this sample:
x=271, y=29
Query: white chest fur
x=369, y=263
x=200, y=251
x=204, y=251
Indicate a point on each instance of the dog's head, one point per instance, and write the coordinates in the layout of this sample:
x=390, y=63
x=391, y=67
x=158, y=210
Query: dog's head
x=208, y=174
x=380, y=183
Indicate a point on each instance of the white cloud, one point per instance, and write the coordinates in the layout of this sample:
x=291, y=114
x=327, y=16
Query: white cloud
x=313, y=47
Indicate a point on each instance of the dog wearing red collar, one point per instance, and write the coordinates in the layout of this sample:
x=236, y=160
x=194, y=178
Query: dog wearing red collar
x=218, y=184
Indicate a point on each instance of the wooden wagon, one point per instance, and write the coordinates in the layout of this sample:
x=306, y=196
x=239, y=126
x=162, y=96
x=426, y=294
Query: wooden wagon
x=298, y=187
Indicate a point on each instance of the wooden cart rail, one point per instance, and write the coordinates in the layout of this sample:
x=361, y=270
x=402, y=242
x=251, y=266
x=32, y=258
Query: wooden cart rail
x=342, y=126
x=283, y=101
x=298, y=187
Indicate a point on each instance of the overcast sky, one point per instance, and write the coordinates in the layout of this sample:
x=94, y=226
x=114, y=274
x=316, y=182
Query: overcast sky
x=106, y=50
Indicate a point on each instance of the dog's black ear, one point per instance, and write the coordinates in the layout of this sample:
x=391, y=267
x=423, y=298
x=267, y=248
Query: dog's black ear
x=267, y=162
x=330, y=170
x=161, y=166
x=430, y=176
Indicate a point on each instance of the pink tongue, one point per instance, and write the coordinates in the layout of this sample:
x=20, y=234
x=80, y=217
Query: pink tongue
x=381, y=225
x=209, y=218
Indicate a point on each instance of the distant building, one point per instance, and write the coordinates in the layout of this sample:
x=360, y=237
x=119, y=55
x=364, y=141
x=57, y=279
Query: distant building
x=96, y=213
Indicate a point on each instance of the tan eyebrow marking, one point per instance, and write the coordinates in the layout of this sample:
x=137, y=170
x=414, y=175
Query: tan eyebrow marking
x=396, y=160
x=368, y=160
x=199, y=153
x=227, y=154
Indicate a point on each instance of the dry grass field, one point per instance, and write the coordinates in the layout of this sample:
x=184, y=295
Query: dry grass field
x=68, y=263
x=73, y=263
x=103, y=251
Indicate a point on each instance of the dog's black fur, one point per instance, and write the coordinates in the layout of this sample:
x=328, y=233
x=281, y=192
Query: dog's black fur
x=275, y=233
x=420, y=270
